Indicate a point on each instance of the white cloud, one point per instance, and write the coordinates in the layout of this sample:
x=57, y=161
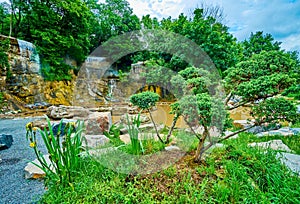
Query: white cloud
x=277, y=17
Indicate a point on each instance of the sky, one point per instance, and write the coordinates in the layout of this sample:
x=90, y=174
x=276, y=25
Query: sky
x=281, y=18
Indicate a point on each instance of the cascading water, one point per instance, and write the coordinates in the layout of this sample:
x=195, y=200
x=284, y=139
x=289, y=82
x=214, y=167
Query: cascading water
x=30, y=65
x=27, y=49
x=112, y=84
x=91, y=86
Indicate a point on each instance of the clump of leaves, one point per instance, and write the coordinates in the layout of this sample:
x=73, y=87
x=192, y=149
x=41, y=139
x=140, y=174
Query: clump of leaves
x=114, y=135
x=133, y=131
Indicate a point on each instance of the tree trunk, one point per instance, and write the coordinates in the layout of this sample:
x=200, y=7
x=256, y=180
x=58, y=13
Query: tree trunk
x=10, y=26
x=172, y=128
x=200, y=146
x=155, y=127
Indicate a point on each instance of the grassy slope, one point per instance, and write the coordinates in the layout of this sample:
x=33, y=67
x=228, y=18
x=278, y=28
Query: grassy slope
x=235, y=174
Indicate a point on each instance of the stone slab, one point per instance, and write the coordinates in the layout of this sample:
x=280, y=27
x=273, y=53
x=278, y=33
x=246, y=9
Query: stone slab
x=273, y=144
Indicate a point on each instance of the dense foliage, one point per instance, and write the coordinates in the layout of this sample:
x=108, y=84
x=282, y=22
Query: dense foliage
x=72, y=29
x=4, y=64
x=64, y=30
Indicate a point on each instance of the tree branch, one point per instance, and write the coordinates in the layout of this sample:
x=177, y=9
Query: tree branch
x=155, y=126
x=228, y=97
x=238, y=105
x=235, y=133
x=191, y=128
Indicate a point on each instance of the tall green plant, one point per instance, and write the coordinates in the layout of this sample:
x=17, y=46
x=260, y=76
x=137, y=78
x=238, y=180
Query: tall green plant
x=133, y=131
x=63, y=151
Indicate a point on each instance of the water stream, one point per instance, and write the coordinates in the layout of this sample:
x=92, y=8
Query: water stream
x=27, y=49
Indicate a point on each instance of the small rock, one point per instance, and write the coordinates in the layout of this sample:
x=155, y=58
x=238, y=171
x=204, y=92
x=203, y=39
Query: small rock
x=145, y=127
x=227, y=132
x=34, y=172
x=125, y=138
x=5, y=141
x=172, y=148
x=295, y=130
x=281, y=131
x=242, y=123
x=273, y=144
x=143, y=118
x=93, y=141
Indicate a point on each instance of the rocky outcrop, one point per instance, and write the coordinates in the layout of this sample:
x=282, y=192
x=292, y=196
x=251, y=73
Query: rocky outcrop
x=22, y=78
x=59, y=92
x=5, y=141
x=60, y=112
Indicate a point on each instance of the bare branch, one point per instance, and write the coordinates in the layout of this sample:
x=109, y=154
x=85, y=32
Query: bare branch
x=215, y=11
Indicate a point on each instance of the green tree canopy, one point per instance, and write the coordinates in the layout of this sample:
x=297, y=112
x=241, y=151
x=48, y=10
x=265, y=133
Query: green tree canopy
x=259, y=42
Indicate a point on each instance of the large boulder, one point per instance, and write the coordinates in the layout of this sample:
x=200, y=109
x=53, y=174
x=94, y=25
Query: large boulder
x=97, y=123
x=60, y=112
x=5, y=141
x=55, y=126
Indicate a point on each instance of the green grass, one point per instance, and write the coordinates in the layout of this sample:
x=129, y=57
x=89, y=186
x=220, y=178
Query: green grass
x=234, y=174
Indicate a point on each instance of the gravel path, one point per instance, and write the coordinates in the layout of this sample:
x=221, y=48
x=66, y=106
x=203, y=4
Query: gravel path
x=14, y=188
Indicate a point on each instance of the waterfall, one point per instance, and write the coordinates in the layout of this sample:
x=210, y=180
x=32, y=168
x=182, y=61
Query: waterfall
x=112, y=84
x=28, y=50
